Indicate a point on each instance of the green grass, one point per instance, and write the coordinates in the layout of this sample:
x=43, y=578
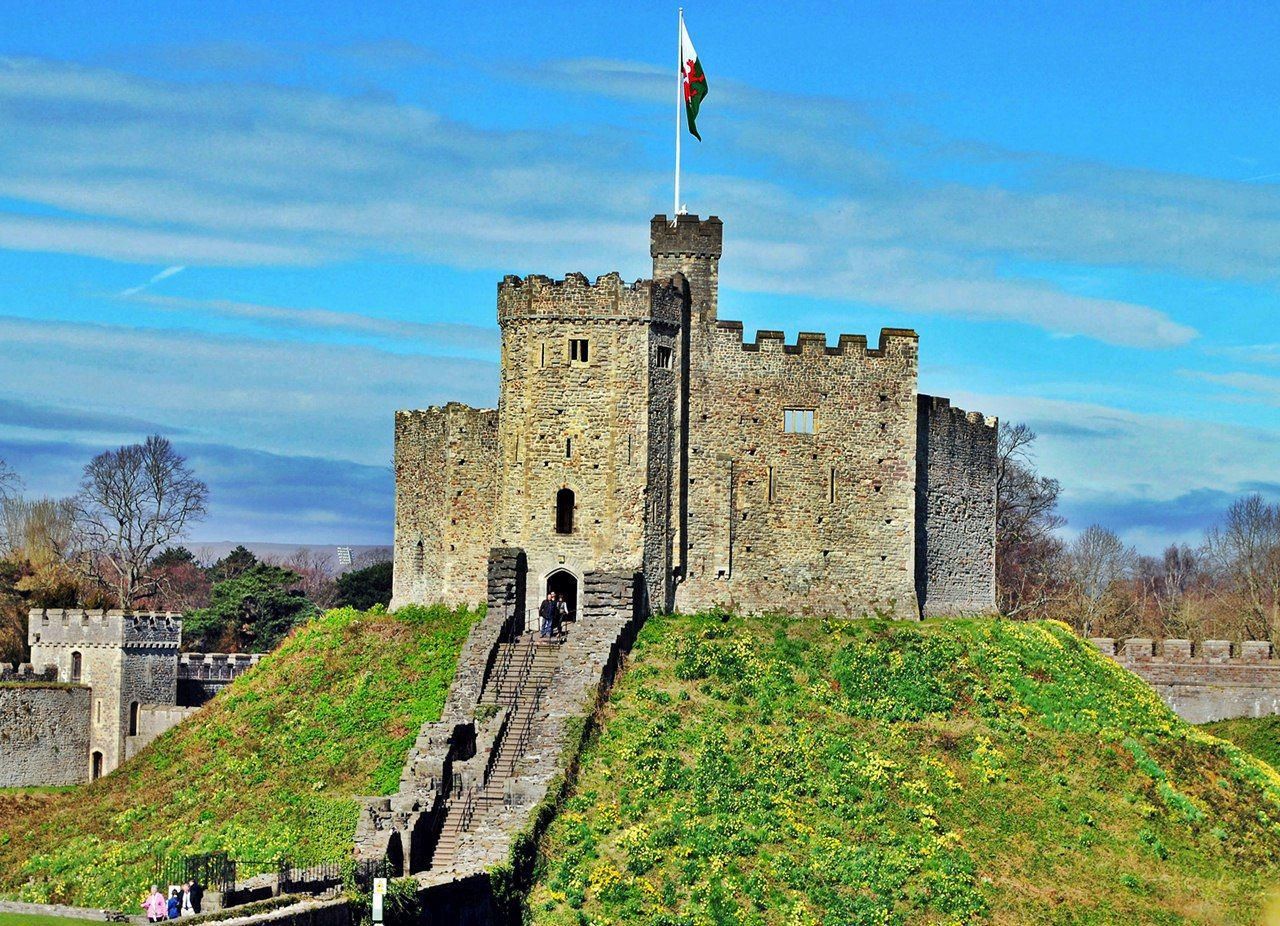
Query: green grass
x=1258, y=735
x=770, y=770
x=270, y=767
x=29, y=919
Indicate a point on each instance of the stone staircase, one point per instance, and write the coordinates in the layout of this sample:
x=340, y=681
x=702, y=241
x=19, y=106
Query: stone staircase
x=522, y=675
x=481, y=776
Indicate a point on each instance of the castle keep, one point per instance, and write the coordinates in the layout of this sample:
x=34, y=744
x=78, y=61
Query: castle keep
x=644, y=457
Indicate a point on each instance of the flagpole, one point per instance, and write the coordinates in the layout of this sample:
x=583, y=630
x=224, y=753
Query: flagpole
x=679, y=99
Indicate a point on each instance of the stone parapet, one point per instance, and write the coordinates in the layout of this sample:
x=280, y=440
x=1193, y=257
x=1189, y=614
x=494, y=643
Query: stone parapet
x=80, y=628
x=25, y=672
x=1205, y=681
x=577, y=299
x=215, y=666
x=688, y=235
x=893, y=342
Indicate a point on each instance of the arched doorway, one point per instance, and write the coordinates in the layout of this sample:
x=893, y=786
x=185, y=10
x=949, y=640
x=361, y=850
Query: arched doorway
x=96, y=766
x=564, y=583
x=77, y=665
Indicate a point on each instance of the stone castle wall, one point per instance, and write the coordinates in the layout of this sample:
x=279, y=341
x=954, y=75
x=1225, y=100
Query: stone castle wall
x=817, y=523
x=669, y=434
x=955, y=509
x=154, y=719
x=1212, y=680
x=44, y=735
x=446, y=462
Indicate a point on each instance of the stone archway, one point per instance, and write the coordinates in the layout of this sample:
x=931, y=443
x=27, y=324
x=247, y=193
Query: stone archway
x=563, y=582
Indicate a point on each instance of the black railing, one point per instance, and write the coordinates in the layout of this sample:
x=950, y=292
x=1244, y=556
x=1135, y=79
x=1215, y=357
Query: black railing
x=468, y=810
x=526, y=733
x=219, y=872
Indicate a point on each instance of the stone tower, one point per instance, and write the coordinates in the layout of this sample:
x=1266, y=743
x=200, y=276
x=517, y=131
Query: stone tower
x=128, y=660
x=586, y=430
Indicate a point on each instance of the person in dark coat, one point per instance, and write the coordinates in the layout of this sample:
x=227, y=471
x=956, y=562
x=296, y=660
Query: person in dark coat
x=191, y=897
x=175, y=903
x=548, y=611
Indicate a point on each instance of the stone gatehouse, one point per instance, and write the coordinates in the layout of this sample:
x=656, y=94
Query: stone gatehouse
x=642, y=449
x=105, y=684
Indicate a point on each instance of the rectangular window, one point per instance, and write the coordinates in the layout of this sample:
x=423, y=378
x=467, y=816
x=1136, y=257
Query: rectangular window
x=664, y=358
x=579, y=350
x=543, y=361
x=773, y=485
x=797, y=420
x=832, y=485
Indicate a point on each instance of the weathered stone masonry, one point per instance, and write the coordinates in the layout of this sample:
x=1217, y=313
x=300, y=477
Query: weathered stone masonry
x=639, y=442
x=1212, y=680
x=132, y=685
x=955, y=509
x=44, y=734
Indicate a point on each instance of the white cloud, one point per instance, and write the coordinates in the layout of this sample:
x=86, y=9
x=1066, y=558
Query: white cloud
x=196, y=173
x=162, y=275
x=323, y=400
x=475, y=340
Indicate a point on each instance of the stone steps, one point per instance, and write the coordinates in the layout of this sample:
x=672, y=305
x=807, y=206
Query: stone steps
x=516, y=684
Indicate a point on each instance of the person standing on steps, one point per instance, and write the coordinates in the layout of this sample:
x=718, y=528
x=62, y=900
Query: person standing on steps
x=562, y=615
x=548, y=611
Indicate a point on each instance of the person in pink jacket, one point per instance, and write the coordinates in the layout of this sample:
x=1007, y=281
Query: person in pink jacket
x=156, y=906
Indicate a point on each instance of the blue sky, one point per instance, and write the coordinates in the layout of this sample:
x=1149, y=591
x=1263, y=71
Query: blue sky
x=1077, y=206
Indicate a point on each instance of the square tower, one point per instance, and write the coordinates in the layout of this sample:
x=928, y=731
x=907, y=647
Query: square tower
x=128, y=659
x=587, y=422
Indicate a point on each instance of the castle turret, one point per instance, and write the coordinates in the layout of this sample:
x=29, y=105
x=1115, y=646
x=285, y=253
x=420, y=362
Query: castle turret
x=129, y=659
x=691, y=246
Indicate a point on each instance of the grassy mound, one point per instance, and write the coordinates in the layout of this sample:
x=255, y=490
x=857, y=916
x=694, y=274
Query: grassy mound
x=794, y=771
x=269, y=767
x=1258, y=735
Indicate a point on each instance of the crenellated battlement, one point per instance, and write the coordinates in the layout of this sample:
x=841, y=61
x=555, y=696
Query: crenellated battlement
x=1211, y=680
x=893, y=342
x=941, y=406
x=456, y=413
x=576, y=298
x=1185, y=652
x=25, y=672
x=215, y=666
x=78, y=627
x=690, y=236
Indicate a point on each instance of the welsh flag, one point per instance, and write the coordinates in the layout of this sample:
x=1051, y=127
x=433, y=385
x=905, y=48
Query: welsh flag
x=695, y=82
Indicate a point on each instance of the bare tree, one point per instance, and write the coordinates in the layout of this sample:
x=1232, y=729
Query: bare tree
x=1027, y=552
x=1097, y=562
x=9, y=481
x=38, y=530
x=1246, y=550
x=133, y=502
x=316, y=574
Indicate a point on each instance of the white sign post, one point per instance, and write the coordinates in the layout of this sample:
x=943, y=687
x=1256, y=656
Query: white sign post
x=379, y=891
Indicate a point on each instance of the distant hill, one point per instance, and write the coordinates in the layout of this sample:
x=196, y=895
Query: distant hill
x=208, y=552
x=788, y=771
x=269, y=767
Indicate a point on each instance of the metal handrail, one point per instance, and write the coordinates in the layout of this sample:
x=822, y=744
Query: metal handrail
x=468, y=810
x=526, y=733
